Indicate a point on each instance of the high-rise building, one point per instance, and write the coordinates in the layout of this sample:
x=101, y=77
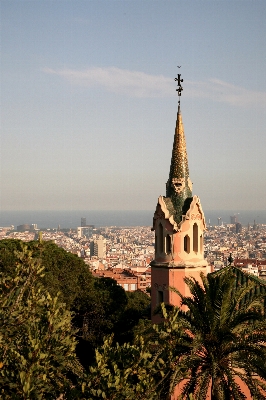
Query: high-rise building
x=83, y=221
x=238, y=227
x=178, y=224
x=98, y=247
x=233, y=219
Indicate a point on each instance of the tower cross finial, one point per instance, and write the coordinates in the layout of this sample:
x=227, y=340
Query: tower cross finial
x=179, y=88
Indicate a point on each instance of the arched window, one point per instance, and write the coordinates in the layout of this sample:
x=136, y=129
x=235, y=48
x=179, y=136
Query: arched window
x=160, y=246
x=195, y=238
x=168, y=244
x=187, y=244
x=201, y=243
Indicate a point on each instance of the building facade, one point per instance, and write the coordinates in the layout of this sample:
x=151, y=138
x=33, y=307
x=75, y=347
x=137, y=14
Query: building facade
x=98, y=247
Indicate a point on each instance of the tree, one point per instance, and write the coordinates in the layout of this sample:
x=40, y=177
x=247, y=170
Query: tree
x=64, y=272
x=135, y=316
x=141, y=370
x=226, y=324
x=99, y=314
x=108, y=309
x=37, y=341
x=123, y=372
x=172, y=341
x=8, y=258
x=100, y=305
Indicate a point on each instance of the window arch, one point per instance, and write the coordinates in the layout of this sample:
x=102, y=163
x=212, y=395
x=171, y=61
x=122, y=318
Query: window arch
x=195, y=238
x=160, y=246
x=187, y=244
x=201, y=243
x=168, y=244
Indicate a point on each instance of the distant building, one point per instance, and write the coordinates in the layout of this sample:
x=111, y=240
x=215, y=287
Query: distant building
x=85, y=231
x=83, y=221
x=238, y=227
x=26, y=227
x=217, y=265
x=7, y=228
x=233, y=219
x=128, y=279
x=98, y=247
x=250, y=269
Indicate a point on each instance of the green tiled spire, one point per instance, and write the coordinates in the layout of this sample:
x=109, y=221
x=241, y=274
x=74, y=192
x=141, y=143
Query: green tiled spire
x=179, y=186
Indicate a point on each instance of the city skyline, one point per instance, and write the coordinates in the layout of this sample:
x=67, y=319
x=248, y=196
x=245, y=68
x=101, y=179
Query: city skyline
x=89, y=102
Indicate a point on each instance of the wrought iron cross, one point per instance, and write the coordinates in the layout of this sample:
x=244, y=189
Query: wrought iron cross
x=179, y=88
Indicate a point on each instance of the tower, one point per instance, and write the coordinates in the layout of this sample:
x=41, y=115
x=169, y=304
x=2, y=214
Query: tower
x=178, y=224
x=233, y=219
x=98, y=247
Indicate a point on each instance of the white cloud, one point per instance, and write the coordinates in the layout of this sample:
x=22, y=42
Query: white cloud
x=225, y=92
x=132, y=83
x=140, y=84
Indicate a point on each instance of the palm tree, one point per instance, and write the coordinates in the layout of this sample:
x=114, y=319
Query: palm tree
x=225, y=328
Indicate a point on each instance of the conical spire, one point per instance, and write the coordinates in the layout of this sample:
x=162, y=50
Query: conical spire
x=179, y=186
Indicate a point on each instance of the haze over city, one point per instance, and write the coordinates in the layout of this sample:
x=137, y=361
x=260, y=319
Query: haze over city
x=89, y=102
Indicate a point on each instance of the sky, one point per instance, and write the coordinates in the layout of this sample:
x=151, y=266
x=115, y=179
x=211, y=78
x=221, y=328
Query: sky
x=88, y=102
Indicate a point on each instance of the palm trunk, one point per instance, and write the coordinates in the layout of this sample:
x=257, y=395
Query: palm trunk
x=215, y=392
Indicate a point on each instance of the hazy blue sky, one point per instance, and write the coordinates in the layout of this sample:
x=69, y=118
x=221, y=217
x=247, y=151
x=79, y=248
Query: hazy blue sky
x=89, y=103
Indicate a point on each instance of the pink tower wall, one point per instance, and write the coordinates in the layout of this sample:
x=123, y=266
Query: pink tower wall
x=170, y=268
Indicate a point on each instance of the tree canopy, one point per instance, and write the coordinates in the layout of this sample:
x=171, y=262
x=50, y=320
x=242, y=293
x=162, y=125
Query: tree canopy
x=37, y=341
x=100, y=306
x=64, y=272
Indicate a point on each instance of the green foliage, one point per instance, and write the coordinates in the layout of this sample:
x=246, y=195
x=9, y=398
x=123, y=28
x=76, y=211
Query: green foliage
x=173, y=342
x=123, y=372
x=37, y=342
x=97, y=316
x=135, y=316
x=219, y=339
x=65, y=275
x=100, y=306
x=142, y=369
x=139, y=303
x=8, y=258
x=64, y=272
x=108, y=309
x=101, y=309
x=113, y=299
